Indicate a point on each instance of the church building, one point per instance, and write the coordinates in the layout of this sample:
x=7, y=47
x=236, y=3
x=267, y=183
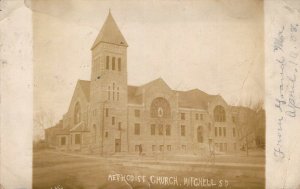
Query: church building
x=108, y=116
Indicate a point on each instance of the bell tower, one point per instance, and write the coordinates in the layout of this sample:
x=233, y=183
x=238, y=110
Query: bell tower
x=108, y=89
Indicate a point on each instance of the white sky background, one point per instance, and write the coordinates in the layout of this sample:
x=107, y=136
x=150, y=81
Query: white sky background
x=210, y=45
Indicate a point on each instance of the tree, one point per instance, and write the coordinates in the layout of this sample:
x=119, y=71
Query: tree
x=41, y=121
x=249, y=122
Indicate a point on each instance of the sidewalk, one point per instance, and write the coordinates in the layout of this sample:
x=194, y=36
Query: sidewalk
x=145, y=162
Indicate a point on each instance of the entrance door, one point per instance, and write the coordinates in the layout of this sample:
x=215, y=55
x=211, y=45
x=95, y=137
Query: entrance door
x=117, y=145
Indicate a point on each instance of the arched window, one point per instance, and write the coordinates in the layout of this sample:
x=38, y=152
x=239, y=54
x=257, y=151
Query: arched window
x=160, y=129
x=107, y=62
x=113, y=63
x=108, y=93
x=219, y=114
x=113, y=91
x=168, y=130
x=94, y=130
x=199, y=134
x=77, y=113
x=160, y=108
x=118, y=94
x=119, y=64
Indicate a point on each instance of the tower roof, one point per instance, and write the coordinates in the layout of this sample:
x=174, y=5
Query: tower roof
x=110, y=33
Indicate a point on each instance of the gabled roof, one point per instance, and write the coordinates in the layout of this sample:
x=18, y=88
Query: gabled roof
x=58, y=130
x=156, y=82
x=194, y=99
x=133, y=98
x=85, y=86
x=62, y=132
x=186, y=99
x=110, y=33
x=239, y=109
x=80, y=127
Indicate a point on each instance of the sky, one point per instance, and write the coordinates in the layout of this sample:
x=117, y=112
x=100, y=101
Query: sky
x=215, y=46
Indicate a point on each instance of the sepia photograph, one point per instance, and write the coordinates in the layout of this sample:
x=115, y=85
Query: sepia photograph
x=148, y=94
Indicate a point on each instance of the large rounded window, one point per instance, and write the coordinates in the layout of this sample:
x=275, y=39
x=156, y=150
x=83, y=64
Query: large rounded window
x=219, y=114
x=160, y=108
x=77, y=113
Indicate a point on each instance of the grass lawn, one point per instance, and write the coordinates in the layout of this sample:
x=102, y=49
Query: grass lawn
x=52, y=170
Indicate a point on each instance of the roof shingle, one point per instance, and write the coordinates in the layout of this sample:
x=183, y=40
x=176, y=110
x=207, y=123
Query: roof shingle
x=194, y=98
x=85, y=86
x=110, y=33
